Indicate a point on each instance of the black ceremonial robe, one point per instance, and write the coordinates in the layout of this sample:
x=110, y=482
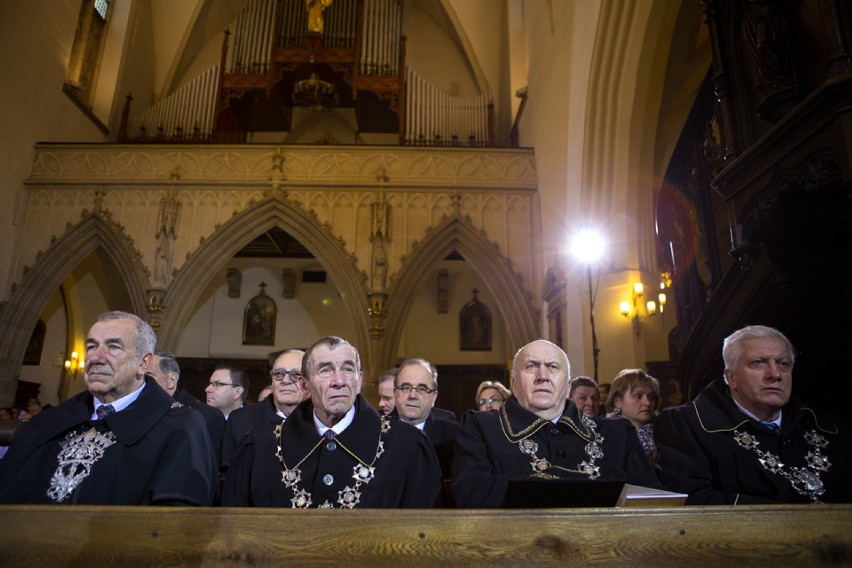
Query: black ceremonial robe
x=399, y=463
x=161, y=454
x=488, y=453
x=242, y=421
x=698, y=452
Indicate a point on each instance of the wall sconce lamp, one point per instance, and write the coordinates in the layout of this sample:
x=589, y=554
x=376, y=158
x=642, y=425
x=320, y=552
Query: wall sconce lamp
x=639, y=309
x=74, y=365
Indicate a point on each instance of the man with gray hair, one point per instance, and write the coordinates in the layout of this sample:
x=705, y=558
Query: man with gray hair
x=166, y=371
x=123, y=441
x=288, y=391
x=537, y=435
x=334, y=450
x=746, y=439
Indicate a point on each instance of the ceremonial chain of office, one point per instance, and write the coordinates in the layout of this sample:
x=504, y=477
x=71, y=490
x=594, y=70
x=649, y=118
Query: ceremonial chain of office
x=806, y=481
x=540, y=465
x=348, y=497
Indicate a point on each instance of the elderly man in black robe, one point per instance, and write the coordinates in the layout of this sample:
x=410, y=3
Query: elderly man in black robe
x=746, y=440
x=539, y=435
x=288, y=391
x=334, y=450
x=122, y=442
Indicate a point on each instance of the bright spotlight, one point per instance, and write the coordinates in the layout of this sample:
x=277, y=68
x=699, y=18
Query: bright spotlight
x=588, y=246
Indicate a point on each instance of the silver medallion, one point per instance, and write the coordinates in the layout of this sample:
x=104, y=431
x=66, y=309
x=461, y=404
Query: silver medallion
x=78, y=454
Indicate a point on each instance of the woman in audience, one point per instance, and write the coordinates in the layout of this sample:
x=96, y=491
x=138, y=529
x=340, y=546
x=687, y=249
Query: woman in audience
x=585, y=395
x=635, y=395
x=491, y=395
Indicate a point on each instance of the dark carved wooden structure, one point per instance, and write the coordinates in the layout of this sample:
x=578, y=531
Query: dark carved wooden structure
x=754, y=213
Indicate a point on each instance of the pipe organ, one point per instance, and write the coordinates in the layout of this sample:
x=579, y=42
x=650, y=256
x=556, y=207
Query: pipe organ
x=185, y=115
x=274, y=64
x=436, y=118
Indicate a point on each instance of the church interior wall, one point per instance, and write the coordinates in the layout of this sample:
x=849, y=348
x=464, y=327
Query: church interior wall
x=433, y=51
x=423, y=319
x=49, y=369
x=216, y=328
x=529, y=223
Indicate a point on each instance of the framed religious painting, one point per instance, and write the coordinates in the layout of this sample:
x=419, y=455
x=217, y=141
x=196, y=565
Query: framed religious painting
x=475, y=325
x=259, y=320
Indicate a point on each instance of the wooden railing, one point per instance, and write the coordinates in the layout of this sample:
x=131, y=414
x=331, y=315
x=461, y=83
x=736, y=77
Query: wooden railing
x=800, y=535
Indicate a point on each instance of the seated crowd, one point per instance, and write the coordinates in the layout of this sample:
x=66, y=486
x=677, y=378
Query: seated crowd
x=135, y=438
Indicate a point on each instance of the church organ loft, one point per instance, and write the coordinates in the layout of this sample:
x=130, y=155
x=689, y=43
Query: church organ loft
x=283, y=62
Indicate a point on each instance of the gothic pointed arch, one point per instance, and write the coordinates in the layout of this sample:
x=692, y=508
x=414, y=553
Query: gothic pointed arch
x=215, y=252
x=94, y=231
x=522, y=319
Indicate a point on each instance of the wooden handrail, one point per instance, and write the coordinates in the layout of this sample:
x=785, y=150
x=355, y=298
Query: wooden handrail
x=804, y=535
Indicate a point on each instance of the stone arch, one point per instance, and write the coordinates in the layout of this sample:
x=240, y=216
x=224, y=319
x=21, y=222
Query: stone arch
x=94, y=231
x=214, y=253
x=522, y=319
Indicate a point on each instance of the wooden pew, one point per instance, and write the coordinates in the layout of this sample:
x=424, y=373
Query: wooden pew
x=729, y=537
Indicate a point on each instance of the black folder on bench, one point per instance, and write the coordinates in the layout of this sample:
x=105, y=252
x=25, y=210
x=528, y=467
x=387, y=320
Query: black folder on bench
x=561, y=493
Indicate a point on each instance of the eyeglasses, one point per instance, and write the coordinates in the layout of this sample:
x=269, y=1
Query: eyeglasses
x=220, y=384
x=492, y=400
x=279, y=375
x=419, y=389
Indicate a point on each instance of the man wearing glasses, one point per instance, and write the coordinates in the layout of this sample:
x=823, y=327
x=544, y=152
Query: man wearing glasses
x=415, y=392
x=334, y=450
x=288, y=390
x=227, y=389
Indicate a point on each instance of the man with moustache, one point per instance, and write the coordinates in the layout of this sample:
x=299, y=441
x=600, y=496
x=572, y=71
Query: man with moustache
x=288, y=390
x=415, y=391
x=122, y=442
x=746, y=440
x=334, y=450
x=538, y=435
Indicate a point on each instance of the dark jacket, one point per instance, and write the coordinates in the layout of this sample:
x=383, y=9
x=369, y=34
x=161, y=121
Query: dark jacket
x=161, y=454
x=213, y=418
x=399, y=458
x=698, y=452
x=488, y=451
x=442, y=434
x=242, y=421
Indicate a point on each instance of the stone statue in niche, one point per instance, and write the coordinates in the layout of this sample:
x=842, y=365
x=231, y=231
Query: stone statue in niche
x=380, y=265
x=379, y=233
x=475, y=325
x=166, y=234
x=163, y=260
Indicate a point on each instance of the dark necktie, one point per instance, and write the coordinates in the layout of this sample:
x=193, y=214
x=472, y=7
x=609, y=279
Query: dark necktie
x=771, y=426
x=103, y=410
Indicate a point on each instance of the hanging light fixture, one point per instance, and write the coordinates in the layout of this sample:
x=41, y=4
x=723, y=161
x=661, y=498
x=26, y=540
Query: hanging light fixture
x=315, y=95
